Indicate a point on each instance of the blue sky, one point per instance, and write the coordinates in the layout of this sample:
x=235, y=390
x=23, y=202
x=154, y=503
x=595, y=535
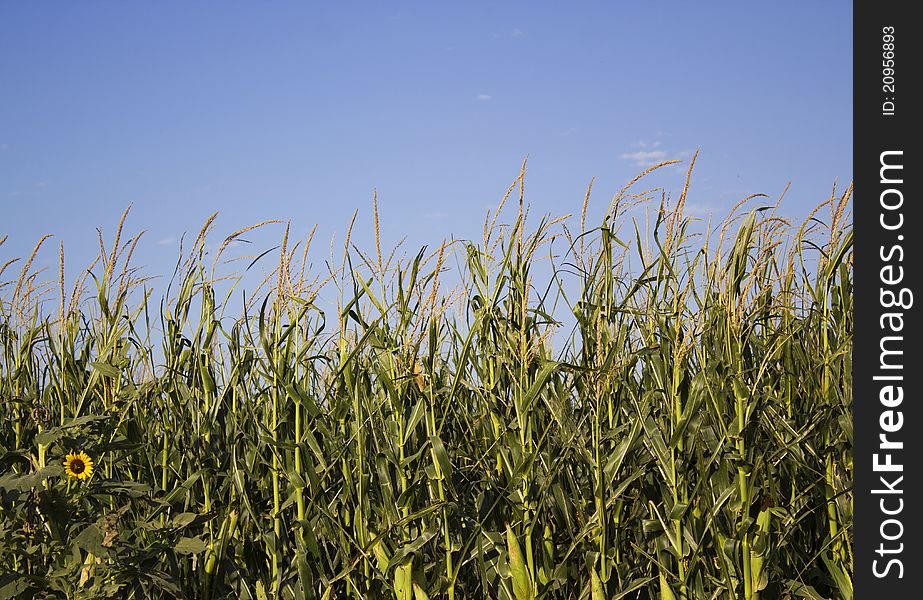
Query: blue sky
x=298, y=110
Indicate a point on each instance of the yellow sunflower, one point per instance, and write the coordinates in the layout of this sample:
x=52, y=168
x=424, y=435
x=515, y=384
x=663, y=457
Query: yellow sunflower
x=78, y=465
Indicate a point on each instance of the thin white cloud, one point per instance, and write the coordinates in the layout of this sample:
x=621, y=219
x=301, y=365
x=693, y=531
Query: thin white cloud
x=484, y=97
x=166, y=241
x=41, y=184
x=517, y=32
x=645, y=158
x=651, y=152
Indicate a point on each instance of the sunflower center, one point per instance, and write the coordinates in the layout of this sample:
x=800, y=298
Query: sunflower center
x=77, y=466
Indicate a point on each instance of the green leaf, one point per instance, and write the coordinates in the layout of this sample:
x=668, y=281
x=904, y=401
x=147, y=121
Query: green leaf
x=90, y=539
x=48, y=437
x=842, y=579
x=804, y=591
x=522, y=581
x=403, y=580
x=184, y=519
x=419, y=593
x=596, y=586
x=28, y=481
x=548, y=367
x=190, y=545
x=12, y=585
x=105, y=369
x=411, y=547
x=678, y=510
x=442, y=457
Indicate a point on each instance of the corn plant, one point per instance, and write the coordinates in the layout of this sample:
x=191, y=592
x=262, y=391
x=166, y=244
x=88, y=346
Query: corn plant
x=640, y=409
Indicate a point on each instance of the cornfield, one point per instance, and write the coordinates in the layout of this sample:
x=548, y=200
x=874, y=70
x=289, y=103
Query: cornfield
x=556, y=410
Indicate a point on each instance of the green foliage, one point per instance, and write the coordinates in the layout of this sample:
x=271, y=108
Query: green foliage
x=584, y=415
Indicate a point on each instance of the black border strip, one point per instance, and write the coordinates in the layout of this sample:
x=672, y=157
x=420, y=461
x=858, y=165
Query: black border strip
x=886, y=359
